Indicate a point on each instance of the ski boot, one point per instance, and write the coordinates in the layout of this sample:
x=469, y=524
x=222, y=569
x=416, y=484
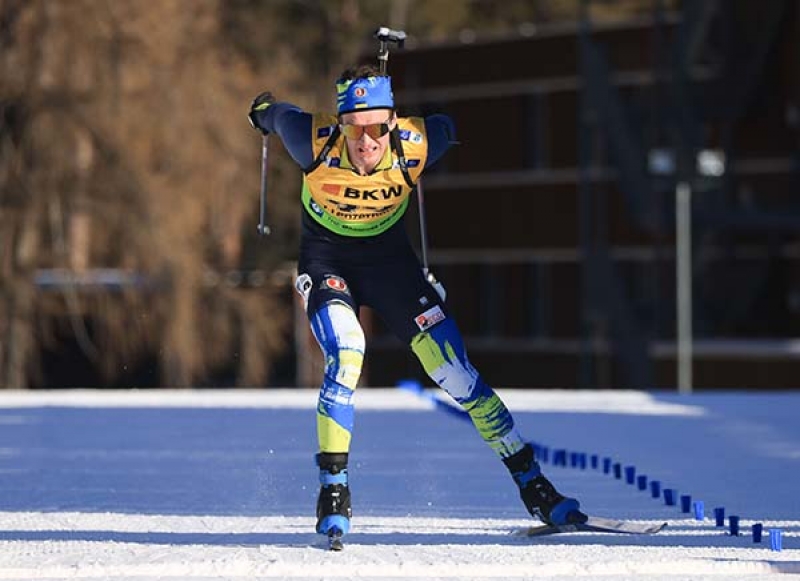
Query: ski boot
x=541, y=498
x=333, y=504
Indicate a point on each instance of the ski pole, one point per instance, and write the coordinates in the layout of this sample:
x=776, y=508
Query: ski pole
x=423, y=240
x=423, y=228
x=263, y=229
x=385, y=36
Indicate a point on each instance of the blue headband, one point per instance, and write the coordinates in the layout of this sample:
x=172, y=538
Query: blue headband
x=362, y=94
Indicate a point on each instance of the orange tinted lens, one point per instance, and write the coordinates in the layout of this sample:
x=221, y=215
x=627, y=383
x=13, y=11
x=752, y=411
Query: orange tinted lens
x=352, y=131
x=374, y=130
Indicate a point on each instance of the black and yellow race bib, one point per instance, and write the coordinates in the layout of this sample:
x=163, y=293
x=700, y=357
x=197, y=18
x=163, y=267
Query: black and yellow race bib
x=354, y=205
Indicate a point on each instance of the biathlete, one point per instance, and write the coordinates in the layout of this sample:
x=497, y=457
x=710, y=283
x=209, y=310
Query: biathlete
x=360, y=167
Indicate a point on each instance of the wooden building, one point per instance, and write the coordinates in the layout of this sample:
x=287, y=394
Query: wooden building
x=553, y=224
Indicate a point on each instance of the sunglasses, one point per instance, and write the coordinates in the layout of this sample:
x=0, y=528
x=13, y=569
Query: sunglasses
x=374, y=130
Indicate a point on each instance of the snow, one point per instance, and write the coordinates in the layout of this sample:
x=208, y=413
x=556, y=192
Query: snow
x=214, y=484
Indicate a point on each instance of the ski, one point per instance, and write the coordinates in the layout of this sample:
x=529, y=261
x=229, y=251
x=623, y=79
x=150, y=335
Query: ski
x=335, y=540
x=594, y=524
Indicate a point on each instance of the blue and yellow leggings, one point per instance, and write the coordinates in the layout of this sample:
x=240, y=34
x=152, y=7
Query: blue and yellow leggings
x=434, y=338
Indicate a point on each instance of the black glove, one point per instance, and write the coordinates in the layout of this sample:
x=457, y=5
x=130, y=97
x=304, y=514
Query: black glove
x=259, y=104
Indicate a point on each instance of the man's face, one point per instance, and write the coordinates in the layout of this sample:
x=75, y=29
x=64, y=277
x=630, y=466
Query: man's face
x=367, y=136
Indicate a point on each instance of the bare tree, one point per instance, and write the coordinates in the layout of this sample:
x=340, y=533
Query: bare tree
x=124, y=146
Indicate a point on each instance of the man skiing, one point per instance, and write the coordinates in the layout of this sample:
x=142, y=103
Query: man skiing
x=360, y=167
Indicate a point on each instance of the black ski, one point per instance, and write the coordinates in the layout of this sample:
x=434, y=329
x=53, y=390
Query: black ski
x=594, y=524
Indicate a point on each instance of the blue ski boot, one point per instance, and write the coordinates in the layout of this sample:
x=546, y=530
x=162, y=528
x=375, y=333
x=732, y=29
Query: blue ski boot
x=333, y=504
x=541, y=498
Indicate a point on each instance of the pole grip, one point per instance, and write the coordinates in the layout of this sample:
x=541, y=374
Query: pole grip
x=386, y=34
